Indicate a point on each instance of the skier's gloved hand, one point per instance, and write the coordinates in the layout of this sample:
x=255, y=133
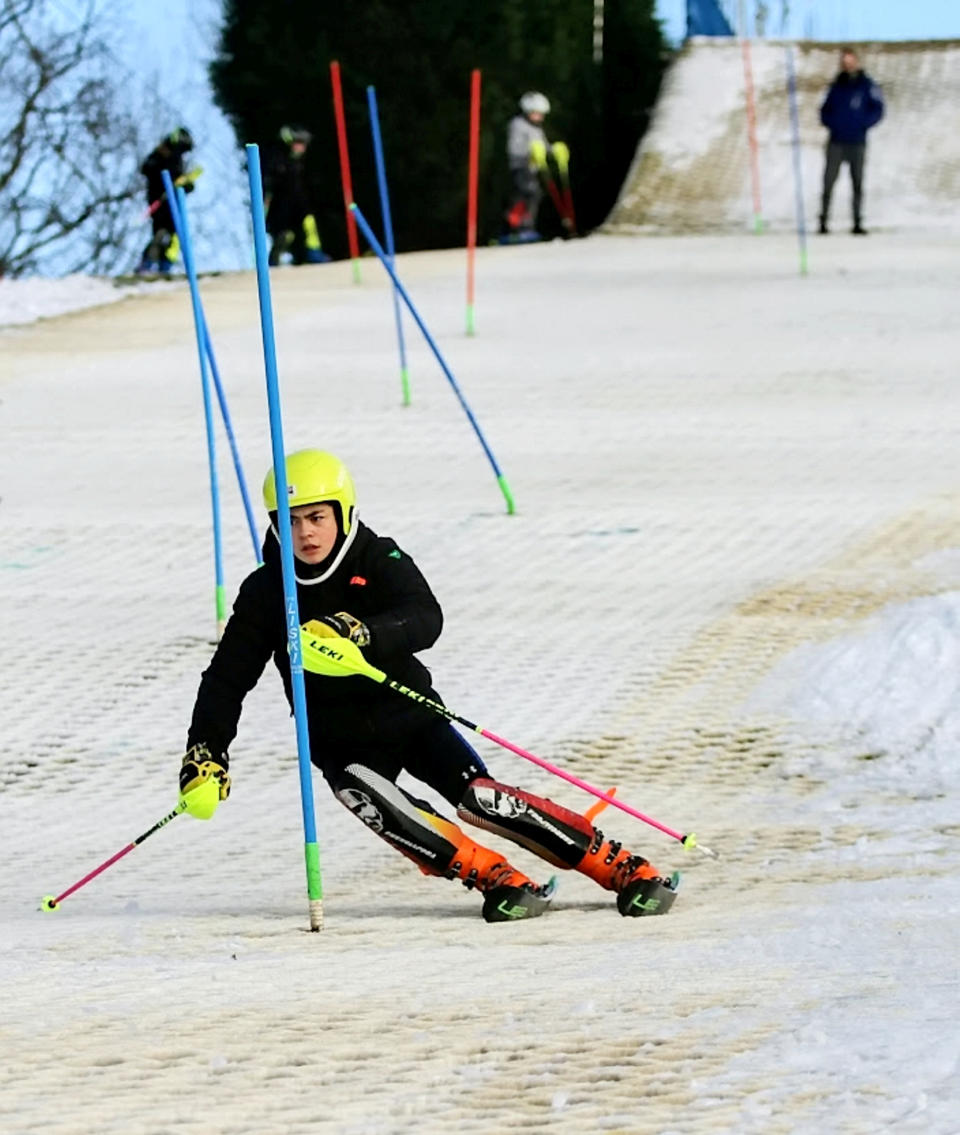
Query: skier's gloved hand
x=340, y=625
x=204, y=781
x=538, y=154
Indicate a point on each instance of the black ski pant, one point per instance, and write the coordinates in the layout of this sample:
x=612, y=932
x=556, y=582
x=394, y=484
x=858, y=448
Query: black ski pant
x=854, y=155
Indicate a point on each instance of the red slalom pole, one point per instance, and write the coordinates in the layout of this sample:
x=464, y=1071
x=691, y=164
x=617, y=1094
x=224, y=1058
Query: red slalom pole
x=472, y=177
x=345, y=168
x=52, y=902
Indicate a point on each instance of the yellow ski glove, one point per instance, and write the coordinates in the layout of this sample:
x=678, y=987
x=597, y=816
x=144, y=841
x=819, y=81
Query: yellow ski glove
x=204, y=781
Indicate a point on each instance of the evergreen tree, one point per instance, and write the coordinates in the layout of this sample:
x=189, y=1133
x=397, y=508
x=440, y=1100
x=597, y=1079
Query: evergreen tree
x=273, y=68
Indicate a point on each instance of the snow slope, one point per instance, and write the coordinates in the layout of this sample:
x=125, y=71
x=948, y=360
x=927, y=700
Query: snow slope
x=692, y=168
x=731, y=589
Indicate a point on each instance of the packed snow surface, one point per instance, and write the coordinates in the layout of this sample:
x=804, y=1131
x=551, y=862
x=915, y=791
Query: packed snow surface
x=731, y=589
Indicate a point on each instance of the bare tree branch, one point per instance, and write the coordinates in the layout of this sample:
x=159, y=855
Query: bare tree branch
x=69, y=153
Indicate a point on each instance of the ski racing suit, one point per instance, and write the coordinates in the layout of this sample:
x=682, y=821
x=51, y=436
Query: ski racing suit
x=363, y=734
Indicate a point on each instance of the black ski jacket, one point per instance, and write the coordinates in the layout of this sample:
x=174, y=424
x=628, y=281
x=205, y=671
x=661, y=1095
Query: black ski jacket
x=376, y=582
x=285, y=183
x=152, y=169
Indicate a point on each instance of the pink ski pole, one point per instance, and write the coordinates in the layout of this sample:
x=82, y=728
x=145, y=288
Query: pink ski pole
x=338, y=657
x=52, y=902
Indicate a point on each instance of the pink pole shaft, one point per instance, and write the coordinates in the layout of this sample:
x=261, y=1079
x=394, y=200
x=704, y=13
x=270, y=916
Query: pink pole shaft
x=472, y=176
x=344, y=159
x=579, y=783
x=95, y=872
x=752, y=129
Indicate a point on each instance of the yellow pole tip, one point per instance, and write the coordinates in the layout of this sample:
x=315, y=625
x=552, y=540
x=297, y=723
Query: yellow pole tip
x=690, y=840
x=49, y=903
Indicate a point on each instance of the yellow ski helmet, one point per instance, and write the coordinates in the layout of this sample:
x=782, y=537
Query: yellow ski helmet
x=314, y=476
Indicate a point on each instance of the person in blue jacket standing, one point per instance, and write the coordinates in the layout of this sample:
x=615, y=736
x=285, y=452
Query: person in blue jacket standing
x=853, y=104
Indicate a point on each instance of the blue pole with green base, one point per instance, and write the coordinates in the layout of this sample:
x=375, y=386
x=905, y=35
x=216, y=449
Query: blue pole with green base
x=220, y=600
x=190, y=266
x=388, y=233
x=291, y=606
x=385, y=261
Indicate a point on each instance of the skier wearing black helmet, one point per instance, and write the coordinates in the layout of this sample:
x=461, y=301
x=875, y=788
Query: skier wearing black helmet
x=290, y=220
x=162, y=250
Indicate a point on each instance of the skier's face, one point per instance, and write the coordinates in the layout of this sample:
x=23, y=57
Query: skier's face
x=315, y=531
x=535, y=117
x=849, y=62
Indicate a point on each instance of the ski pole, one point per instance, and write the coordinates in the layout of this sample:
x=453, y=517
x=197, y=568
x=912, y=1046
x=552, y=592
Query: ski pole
x=339, y=657
x=52, y=902
x=561, y=155
x=539, y=153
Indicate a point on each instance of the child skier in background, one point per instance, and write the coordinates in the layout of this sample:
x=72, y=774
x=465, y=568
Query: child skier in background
x=526, y=141
x=162, y=250
x=290, y=220
x=354, y=584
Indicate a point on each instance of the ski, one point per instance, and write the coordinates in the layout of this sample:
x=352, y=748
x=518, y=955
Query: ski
x=509, y=904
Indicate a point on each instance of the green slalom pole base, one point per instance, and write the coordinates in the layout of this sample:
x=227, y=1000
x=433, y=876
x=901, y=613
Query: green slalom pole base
x=471, y=326
x=405, y=385
x=507, y=495
x=314, y=885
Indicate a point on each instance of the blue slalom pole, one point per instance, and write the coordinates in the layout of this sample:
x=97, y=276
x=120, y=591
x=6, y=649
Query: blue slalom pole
x=388, y=233
x=183, y=233
x=291, y=606
x=384, y=260
x=797, y=165
x=219, y=592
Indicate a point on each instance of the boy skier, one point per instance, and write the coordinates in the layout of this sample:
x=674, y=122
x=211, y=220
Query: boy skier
x=354, y=584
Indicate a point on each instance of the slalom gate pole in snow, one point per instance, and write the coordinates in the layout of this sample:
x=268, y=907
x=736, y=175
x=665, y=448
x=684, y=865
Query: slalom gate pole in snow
x=338, y=658
x=473, y=175
x=388, y=234
x=751, y=120
x=375, y=245
x=311, y=850
x=345, y=167
x=219, y=592
x=797, y=165
x=52, y=902
x=183, y=233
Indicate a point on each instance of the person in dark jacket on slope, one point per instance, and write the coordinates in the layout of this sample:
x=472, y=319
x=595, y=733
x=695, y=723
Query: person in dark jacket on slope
x=162, y=250
x=854, y=104
x=354, y=584
x=290, y=220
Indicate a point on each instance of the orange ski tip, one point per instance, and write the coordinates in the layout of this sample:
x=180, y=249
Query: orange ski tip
x=595, y=809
